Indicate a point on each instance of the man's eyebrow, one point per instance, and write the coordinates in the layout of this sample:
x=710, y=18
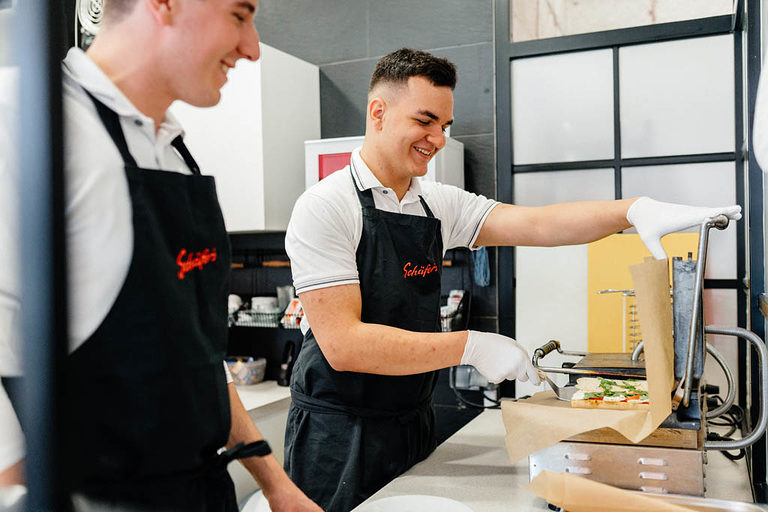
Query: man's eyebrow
x=432, y=116
x=247, y=5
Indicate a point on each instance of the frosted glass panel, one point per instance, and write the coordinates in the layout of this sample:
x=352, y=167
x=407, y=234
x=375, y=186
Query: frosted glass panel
x=541, y=188
x=537, y=19
x=720, y=309
x=711, y=184
x=677, y=97
x=562, y=107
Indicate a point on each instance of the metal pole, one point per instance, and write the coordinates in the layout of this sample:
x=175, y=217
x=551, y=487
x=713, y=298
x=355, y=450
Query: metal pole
x=44, y=326
x=755, y=271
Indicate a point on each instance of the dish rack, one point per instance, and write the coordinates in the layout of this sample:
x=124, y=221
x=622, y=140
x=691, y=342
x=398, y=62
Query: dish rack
x=259, y=319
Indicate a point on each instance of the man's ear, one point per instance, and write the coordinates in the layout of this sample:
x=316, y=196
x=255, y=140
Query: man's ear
x=162, y=11
x=376, y=108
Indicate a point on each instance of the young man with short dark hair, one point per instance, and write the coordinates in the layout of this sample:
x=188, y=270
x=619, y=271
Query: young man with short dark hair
x=362, y=385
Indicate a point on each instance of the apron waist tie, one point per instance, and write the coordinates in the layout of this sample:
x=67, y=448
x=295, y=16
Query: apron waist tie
x=241, y=451
x=313, y=404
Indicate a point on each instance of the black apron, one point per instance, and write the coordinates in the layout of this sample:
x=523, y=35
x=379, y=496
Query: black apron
x=349, y=434
x=146, y=397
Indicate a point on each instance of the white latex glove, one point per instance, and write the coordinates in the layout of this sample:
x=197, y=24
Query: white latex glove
x=654, y=219
x=498, y=358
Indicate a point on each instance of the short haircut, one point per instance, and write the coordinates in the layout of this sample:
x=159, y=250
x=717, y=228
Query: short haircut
x=402, y=64
x=114, y=10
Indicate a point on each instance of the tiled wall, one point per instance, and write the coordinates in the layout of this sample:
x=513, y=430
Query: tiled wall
x=347, y=37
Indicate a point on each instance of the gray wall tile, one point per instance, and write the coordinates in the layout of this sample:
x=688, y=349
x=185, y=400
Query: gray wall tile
x=343, y=89
x=428, y=24
x=318, y=31
x=343, y=97
x=479, y=164
x=473, y=97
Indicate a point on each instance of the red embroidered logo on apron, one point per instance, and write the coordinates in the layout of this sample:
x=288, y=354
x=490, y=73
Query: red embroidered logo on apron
x=411, y=270
x=194, y=260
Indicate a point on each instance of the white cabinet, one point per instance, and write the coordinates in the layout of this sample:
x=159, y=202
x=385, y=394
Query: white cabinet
x=253, y=140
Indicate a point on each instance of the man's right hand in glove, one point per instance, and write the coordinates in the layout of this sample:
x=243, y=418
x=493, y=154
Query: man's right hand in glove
x=654, y=219
x=498, y=358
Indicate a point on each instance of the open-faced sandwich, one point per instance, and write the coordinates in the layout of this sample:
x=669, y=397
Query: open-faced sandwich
x=597, y=392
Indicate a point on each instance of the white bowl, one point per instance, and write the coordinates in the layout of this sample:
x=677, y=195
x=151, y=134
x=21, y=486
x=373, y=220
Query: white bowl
x=233, y=303
x=264, y=304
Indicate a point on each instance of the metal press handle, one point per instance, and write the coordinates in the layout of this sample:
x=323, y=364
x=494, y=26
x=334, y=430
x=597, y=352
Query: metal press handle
x=554, y=345
x=730, y=397
x=546, y=349
x=683, y=391
x=762, y=359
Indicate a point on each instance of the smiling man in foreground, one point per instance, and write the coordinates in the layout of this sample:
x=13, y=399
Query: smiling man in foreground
x=148, y=402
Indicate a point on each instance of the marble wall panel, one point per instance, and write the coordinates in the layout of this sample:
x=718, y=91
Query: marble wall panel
x=539, y=19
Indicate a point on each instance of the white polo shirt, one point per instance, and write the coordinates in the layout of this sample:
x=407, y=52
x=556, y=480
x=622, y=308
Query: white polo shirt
x=327, y=222
x=10, y=363
x=98, y=206
x=11, y=438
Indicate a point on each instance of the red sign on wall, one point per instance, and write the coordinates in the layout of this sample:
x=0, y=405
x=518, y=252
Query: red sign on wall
x=332, y=162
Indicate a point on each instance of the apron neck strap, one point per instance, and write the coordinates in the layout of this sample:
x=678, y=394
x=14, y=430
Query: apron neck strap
x=426, y=208
x=366, y=196
x=178, y=144
x=112, y=123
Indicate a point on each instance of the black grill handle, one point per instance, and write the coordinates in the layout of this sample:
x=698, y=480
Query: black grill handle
x=545, y=349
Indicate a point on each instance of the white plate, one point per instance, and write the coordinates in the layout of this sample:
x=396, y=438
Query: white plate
x=13, y=498
x=256, y=502
x=415, y=503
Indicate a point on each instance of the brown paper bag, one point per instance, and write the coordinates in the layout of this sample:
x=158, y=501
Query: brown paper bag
x=577, y=494
x=543, y=420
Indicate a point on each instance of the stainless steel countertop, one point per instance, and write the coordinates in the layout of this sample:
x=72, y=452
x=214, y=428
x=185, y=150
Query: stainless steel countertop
x=472, y=467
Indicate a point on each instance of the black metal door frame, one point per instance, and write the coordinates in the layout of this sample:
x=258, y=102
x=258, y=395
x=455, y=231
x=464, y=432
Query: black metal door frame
x=37, y=39
x=745, y=26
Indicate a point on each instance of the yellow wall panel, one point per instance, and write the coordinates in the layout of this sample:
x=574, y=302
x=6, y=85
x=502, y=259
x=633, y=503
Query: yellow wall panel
x=608, y=262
